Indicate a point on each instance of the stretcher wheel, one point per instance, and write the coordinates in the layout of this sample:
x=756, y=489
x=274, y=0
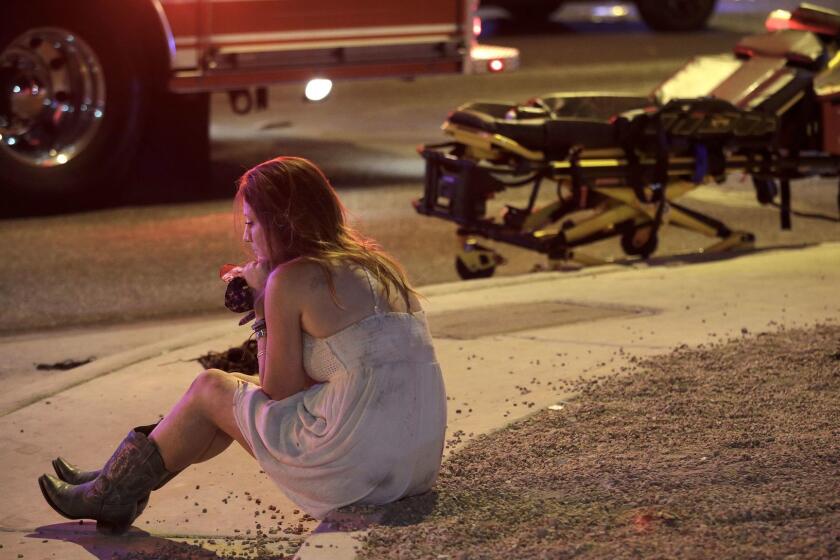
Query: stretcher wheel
x=766, y=190
x=639, y=241
x=477, y=261
x=466, y=273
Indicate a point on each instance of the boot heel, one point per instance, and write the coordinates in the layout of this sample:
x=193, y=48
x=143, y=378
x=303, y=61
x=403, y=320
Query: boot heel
x=116, y=520
x=108, y=528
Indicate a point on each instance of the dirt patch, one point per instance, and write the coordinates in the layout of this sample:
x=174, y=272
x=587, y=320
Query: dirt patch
x=729, y=451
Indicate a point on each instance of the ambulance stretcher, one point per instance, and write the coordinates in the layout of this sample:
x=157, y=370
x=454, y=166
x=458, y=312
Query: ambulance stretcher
x=618, y=164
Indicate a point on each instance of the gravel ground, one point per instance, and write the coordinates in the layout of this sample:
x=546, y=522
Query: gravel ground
x=724, y=451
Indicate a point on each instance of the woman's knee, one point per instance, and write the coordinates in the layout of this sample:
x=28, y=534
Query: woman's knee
x=213, y=392
x=210, y=383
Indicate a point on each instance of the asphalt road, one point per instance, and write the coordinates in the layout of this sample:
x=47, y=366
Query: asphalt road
x=160, y=260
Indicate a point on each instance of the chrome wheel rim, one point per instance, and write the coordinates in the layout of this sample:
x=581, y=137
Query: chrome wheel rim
x=54, y=97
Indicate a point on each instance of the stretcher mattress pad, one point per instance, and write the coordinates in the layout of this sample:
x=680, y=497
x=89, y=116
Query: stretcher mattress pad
x=797, y=46
x=705, y=119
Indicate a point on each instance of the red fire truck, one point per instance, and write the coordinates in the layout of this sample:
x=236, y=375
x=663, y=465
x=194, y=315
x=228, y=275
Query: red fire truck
x=87, y=86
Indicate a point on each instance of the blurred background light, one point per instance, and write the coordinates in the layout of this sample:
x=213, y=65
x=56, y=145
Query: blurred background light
x=476, y=26
x=318, y=89
x=496, y=65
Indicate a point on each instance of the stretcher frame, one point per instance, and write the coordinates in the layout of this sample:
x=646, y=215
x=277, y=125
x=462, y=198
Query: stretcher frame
x=457, y=187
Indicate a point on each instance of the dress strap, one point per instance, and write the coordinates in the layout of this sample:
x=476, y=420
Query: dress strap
x=372, y=292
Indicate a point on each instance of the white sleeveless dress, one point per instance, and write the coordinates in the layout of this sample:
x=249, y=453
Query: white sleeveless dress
x=370, y=432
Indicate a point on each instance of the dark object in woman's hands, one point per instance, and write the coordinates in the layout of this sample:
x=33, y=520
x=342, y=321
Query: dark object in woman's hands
x=238, y=297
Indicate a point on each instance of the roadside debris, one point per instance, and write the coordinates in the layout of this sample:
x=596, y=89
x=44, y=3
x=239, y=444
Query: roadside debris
x=64, y=365
x=239, y=358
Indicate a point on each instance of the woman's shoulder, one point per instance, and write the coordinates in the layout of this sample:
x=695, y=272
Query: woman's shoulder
x=292, y=275
x=294, y=267
x=303, y=274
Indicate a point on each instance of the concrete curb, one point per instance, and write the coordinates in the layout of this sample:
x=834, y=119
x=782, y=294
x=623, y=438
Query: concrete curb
x=16, y=399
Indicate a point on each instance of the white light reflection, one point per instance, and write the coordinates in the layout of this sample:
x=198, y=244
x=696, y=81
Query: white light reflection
x=617, y=11
x=318, y=89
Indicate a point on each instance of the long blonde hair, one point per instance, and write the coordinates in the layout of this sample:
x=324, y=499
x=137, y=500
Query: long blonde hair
x=303, y=217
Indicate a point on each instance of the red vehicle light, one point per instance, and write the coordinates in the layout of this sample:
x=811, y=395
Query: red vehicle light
x=495, y=65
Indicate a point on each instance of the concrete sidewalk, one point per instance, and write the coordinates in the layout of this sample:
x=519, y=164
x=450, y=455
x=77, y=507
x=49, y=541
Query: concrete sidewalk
x=503, y=343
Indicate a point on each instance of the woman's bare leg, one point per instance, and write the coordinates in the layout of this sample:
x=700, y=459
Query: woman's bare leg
x=220, y=442
x=187, y=434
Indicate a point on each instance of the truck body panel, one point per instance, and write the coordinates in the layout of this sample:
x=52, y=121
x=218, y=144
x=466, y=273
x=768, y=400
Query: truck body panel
x=89, y=89
x=229, y=44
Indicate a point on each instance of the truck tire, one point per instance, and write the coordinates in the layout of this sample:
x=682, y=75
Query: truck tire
x=676, y=15
x=525, y=11
x=74, y=101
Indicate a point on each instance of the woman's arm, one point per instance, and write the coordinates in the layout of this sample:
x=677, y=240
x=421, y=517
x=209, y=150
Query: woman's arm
x=280, y=352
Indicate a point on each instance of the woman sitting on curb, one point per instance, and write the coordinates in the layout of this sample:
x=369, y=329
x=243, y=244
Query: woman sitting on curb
x=350, y=405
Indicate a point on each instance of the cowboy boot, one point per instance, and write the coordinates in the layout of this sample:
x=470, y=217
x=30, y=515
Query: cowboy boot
x=71, y=475
x=112, y=497
x=68, y=472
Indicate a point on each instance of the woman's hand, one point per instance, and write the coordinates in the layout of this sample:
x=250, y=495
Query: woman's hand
x=255, y=274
